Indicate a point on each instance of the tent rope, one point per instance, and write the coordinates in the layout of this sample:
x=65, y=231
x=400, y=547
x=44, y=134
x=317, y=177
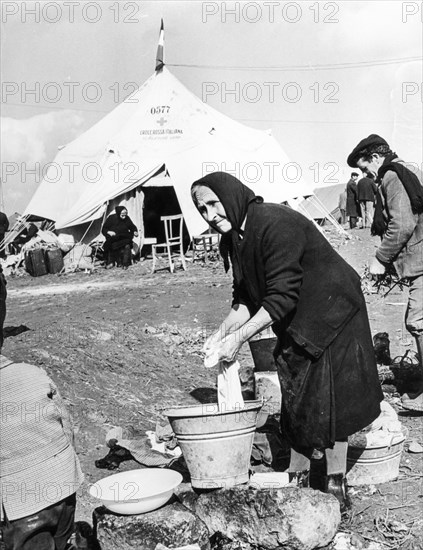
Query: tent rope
x=83, y=236
x=326, y=214
x=83, y=250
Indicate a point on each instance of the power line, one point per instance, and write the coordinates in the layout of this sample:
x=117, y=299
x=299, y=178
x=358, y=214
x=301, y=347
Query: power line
x=309, y=67
x=315, y=121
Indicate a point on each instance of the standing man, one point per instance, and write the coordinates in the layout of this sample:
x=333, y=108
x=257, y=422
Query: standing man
x=353, y=208
x=398, y=220
x=366, y=189
x=4, y=226
x=342, y=205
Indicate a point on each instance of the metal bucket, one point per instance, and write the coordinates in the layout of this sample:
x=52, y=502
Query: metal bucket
x=372, y=465
x=216, y=445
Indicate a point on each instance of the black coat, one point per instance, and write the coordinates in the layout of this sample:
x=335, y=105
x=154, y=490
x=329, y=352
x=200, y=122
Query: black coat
x=329, y=379
x=366, y=190
x=353, y=206
x=124, y=229
x=4, y=223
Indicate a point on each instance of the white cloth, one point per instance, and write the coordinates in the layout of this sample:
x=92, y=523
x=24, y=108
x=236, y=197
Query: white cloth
x=385, y=430
x=229, y=395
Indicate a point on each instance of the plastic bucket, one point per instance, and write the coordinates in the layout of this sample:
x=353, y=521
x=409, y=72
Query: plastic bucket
x=216, y=445
x=371, y=465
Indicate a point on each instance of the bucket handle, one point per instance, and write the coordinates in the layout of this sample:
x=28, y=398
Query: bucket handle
x=395, y=436
x=391, y=441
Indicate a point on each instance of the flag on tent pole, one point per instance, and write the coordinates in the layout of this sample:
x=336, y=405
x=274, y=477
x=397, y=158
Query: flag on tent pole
x=160, y=50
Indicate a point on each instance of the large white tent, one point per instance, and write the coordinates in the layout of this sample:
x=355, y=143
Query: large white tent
x=162, y=135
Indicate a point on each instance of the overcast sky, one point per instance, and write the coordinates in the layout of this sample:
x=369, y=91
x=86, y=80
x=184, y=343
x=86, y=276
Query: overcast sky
x=65, y=65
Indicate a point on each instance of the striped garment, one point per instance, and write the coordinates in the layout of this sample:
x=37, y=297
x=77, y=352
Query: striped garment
x=38, y=464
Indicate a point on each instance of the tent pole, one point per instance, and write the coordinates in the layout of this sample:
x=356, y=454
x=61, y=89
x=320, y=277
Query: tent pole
x=84, y=249
x=18, y=227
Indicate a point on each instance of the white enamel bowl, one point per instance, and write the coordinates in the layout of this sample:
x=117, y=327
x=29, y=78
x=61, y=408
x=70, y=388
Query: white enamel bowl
x=136, y=491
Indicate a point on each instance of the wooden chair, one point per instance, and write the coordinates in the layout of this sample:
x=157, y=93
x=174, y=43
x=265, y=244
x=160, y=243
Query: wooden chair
x=203, y=245
x=173, y=247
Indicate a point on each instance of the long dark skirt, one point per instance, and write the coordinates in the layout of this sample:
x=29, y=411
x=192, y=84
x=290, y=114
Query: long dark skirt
x=117, y=255
x=328, y=399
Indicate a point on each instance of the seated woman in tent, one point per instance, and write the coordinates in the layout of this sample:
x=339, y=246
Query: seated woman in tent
x=119, y=231
x=286, y=274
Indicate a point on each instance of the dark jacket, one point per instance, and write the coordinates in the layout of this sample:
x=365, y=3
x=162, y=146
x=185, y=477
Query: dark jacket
x=124, y=229
x=290, y=269
x=315, y=300
x=366, y=189
x=4, y=223
x=353, y=206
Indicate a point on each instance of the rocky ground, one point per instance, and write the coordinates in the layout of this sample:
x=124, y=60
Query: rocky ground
x=123, y=345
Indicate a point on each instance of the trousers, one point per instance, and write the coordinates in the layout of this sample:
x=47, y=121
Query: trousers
x=48, y=529
x=367, y=213
x=414, y=313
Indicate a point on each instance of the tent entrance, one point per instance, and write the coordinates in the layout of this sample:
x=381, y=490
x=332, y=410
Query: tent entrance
x=90, y=231
x=160, y=201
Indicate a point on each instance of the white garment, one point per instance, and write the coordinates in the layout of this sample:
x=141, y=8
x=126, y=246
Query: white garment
x=229, y=395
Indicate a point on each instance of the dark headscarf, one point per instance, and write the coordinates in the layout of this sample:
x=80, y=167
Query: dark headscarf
x=235, y=198
x=120, y=209
x=411, y=184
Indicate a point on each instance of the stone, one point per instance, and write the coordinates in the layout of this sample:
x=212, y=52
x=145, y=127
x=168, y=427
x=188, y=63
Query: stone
x=298, y=519
x=172, y=526
x=186, y=496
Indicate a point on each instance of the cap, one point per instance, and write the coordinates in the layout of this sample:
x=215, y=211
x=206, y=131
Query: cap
x=360, y=149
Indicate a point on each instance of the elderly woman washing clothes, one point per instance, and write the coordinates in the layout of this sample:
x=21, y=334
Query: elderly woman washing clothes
x=119, y=231
x=286, y=274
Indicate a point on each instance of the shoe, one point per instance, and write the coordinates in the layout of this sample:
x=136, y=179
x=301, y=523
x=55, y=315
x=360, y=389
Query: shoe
x=336, y=485
x=412, y=401
x=299, y=479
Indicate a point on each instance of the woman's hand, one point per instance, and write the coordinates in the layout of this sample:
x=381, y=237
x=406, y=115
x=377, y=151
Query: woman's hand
x=111, y=233
x=229, y=347
x=223, y=350
x=212, y=341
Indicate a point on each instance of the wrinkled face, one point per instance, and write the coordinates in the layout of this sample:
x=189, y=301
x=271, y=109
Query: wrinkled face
x=210, y=207
x=124, y=213
x=371, y=166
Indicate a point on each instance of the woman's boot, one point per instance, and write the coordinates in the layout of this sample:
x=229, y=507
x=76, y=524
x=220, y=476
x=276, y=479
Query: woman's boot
x=336, y=485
